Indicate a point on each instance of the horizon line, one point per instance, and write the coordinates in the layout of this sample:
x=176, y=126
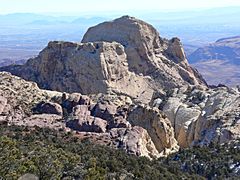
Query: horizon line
x=119, y=12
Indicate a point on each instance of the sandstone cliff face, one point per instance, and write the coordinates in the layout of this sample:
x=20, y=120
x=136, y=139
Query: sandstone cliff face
x=158, y=127
x=73, y=67
x=201, y=117
x=147, y=53
x=140, y=94
x=125, y=56
x=139, y=39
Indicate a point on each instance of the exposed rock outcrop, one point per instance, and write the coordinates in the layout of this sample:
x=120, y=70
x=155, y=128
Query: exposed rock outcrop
x=135, y=140
x=125, y=56
x=201, y=117
x=158, y=127
x=147, y=53
x=105, y=118
x=83, y=121
x=141, y=95
x=49, y=108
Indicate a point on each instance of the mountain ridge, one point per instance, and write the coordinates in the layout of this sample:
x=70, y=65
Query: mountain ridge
x=128, y=60
x=128, y=88
x=219, y=62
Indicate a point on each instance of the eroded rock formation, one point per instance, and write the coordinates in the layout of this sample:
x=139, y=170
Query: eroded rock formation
x=123, y=86
x=125, y=56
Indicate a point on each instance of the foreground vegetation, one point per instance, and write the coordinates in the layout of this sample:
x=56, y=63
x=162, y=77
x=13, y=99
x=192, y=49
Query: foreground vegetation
x=56, y=155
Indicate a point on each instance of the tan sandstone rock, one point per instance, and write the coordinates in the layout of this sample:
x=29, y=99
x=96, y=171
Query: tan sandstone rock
x=202, y=117
x=135, y=141
x=124, y=68
x=158, y=127
x=125, y=56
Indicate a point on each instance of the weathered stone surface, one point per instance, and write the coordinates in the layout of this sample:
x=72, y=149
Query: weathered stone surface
x=146, y=51
x=125, y=56
x=24, y=94
x=158, y=127
x=139, y=39
x=123, y=70
x=90, y=125
x=201, y=117
x=81, y=111
x=184, y=117
x=49, y=108
x=176, y=52
x=3, y=103
x=83, y=121
x=119, y=122
x=219, y=121
x=69, y=101
x=21, y=97
x=135, y=141
x=104, y=110
x=44, y=121
x=84, y=100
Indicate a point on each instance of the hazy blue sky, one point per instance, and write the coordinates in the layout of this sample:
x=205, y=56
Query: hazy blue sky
x=79, y=6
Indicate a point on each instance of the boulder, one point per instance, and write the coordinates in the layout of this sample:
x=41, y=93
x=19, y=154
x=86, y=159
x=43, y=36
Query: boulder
x=91, y=124
x=119, y=122
x=71, y=100
x=49, y=108
x=81, y=111
x=158, y=127
x=51, y=121
x=135, y=141
x=184, y=117
x=105, y=110
x=201, y=117
x=84, y=100
x=83, y=121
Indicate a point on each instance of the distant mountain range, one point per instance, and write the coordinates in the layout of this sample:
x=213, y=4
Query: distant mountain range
x=226, y=49
x=39, y=19
x=219, y=62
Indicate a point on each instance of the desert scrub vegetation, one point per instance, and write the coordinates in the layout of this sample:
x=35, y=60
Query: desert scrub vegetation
x=51, y=154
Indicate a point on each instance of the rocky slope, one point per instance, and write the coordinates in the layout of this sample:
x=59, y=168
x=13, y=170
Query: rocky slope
x=140, y=94
x=185, y=117
x=102, y=119
x=203, y=117
x=219, y=62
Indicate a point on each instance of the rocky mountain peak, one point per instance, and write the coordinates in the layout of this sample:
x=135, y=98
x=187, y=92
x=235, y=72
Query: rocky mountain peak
x=126, y=30
x=124, y=86
x=123, y=56
x=139, y=38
